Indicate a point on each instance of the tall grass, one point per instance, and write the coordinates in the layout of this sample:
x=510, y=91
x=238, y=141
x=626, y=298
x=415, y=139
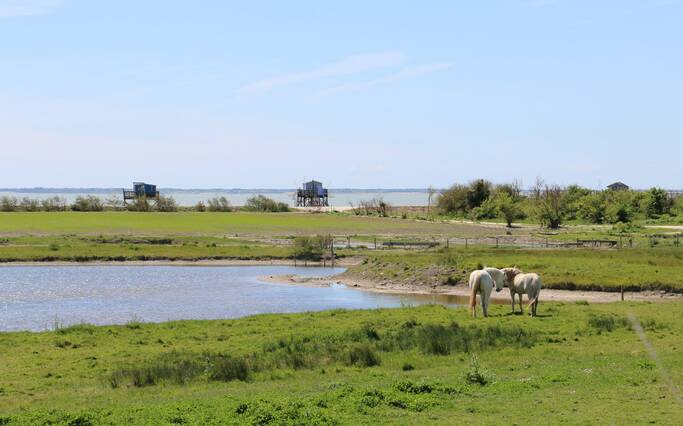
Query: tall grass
x=360, y=348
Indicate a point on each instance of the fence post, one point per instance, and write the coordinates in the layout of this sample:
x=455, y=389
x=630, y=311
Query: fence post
x=348, y=241
x=332, y=251
x=622, y=292
x=465, y=242
x=496, y=242
x=447, y=243
x=375, y=243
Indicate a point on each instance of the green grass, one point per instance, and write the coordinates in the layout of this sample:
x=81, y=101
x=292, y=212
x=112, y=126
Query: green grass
x=430, y=364
x=586, y=269
x=241, y=223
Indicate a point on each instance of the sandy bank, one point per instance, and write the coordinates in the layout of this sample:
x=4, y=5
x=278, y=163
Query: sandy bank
x=462, y=291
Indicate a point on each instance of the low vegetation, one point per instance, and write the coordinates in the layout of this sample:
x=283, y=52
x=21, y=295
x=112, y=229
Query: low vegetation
x=429, y=364
x=552, y=205
x=606, y=270
x=261, y=203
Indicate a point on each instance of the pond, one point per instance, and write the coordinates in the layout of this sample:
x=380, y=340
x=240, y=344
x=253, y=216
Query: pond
x=40, y=298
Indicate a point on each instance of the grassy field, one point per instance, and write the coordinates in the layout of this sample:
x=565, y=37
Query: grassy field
x=575, y=363
x=588, y=269
x=120, y=236
x=240, y=223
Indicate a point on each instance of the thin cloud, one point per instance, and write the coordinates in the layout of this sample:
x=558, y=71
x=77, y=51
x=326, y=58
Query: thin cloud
x=406, y=73
x=10, y=8
x=347, y=66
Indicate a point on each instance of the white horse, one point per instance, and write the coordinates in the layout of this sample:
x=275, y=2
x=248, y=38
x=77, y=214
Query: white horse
x=498, y=277
x=520, y=283
x=482, y=283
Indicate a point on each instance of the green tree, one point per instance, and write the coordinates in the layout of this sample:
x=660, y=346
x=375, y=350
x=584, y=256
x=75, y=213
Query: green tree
x=508, y=208
x=657, y=202
x=549, y=206
x=478, y=192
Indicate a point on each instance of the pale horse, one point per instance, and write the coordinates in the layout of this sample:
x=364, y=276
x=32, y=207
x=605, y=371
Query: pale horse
x=520, y=283
x=483, y=283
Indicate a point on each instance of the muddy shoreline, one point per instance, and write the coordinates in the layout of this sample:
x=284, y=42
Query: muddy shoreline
x=462, y=291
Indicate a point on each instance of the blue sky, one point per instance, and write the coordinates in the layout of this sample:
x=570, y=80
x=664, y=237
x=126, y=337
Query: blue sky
x=356, y=93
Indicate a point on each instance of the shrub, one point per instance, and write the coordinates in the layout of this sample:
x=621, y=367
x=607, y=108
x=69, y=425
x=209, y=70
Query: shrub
x=375, y=206
x=261, y=203
x=54, y=204
x=200, y=207
x=218, y=204
x=453, y=200
x=30, y=204
x=226, y=368
x=87, y=203
x=311, y=248
x=478, y=192
x=487, y=210
x=508, y=208
x=139, y=205
x=475, y=374
x=657, y=202
x=362, y=355
x=9, y=204
x=166, y=204
x=549, y=205
x=605, y=322
x=593, y=208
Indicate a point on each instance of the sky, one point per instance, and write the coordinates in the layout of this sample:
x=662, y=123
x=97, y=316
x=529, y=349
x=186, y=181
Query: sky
x=356, y=94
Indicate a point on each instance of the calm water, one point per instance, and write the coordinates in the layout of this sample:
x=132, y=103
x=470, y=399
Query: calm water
x=338, y=198
x=37, y=297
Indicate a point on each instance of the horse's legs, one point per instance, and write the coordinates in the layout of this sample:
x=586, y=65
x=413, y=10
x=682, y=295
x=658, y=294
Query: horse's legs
x=513, y=301
x=521, y=307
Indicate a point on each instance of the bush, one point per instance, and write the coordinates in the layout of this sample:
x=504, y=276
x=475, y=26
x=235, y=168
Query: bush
x=478, y=192
x=200, y=207
x=218, y=204
x=549, y=205
x=311, y=248
x=166, y=204
x=362, y=355
x=487, y=210
x=462, y=199
x=226, y=368
x=453, y=200
x=508, y=208
x=475, y=374
x=9, y=204
x=605, y=322
x=30, y=204
x=657, y=203
x=54, y=204
x=139, y=205
x=88, y=203
x=376, y=206
x=261, y=203
x=593, y=208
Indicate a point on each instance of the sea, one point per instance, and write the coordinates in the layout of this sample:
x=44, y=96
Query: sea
x=340, y=197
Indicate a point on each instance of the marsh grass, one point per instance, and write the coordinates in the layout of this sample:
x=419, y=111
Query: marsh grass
x=359, y=348
x=607, y=322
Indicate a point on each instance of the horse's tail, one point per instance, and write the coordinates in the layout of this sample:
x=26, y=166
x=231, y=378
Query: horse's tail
x=473, y=297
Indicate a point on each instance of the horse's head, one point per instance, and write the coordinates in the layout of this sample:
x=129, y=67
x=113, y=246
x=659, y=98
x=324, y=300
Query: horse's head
x=510, y=274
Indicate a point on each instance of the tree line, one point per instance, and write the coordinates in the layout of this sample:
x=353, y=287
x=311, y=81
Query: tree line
x=553, y=205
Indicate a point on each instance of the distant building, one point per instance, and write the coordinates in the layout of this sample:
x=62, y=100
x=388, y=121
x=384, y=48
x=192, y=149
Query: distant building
x=618, y=186
x=140, y=191
x=312, y=194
